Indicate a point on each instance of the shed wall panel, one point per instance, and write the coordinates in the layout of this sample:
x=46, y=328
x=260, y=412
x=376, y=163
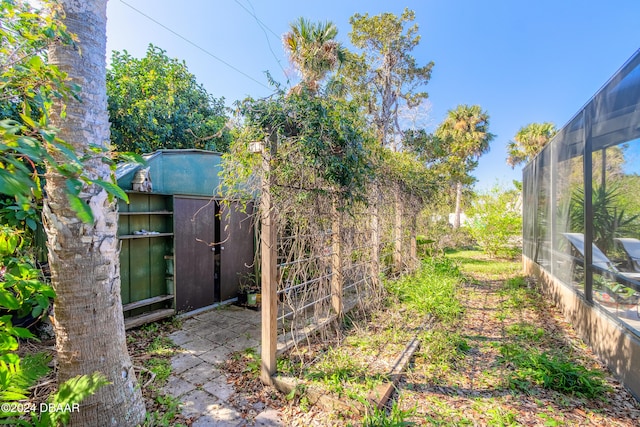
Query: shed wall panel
x=194, y=258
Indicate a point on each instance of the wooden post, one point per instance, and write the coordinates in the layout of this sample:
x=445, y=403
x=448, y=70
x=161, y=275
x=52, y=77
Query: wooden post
x=336, y=260
x=375, y=239
x=414, y=244
x=397, y=233
x=269, y=255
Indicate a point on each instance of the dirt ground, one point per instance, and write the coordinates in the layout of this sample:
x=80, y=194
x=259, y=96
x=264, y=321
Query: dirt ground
x=474, y=392
x=475, y=384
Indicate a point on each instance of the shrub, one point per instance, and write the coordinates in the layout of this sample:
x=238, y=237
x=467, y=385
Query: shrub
x=496, y=222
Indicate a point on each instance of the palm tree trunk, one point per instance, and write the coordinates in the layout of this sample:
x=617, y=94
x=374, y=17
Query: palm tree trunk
x=84, y=258
x=458, y=211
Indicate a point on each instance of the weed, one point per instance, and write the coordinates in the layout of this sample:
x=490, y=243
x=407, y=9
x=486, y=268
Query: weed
x=162, y=346
x=171, y=407
x=431, y=290
x=442, y=413
x=160, y=367
x=176, y=322
x=462, y=345
x=151, y=328
x=298, y=391
x=517, y=282
x=395, y=417
x=160, y=349
x=299, y=395
x=551, y=421
x=441, y=347
x=554, y=372
x=348, y=321
x=500, y=417
x=335, y=379
x=287, y=366
x=525, y=331
x=343, y=374
x=253, y=363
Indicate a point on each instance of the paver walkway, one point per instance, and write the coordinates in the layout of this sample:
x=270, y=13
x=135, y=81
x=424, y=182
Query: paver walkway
x=206, y=340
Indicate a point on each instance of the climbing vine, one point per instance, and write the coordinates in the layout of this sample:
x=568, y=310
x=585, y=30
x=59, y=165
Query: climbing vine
x=322, y=138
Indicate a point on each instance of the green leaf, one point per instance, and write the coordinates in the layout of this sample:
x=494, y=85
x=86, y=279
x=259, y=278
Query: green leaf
x=7, y=343
x=11, y=396
x=37, y=311
x=73, y=186
x=8, y=243
x=14, y=183
x=112, y=189
x=131, y=157
x=22, y=332
x=31, y=224
x=74, y=391
x=82, y=210
x=35, y=62
x=47, y=291
x=17, y=422
x=8, y=300
x=8, y=359
x=28, y=120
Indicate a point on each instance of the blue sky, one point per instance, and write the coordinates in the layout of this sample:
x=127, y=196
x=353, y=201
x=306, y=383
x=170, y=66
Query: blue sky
x=521, y=61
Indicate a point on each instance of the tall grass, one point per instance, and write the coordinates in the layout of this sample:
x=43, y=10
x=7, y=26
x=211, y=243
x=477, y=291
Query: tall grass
x=431, y=289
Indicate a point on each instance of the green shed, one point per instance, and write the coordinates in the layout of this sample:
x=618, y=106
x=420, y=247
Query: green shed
x=181, y=248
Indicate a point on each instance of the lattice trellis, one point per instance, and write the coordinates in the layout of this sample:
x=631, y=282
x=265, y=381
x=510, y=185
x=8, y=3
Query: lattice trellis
x=330, y=257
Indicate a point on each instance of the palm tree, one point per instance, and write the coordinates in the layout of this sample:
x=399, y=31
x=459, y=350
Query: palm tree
x=83, y=257
x=465, y=132
x=313, y=50
x=529, y=141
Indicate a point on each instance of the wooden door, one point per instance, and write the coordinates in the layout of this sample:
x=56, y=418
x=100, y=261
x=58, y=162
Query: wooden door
x=236, y=248
x=194, y=236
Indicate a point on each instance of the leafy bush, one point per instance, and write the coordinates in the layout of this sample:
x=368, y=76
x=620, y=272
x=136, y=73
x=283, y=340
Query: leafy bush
x=155, y=102
x=496, y=222
x=24, y=294
x=320, y=139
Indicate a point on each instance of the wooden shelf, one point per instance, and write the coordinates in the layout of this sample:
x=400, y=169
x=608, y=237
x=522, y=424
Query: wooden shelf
x=146, y=302
x=148, y=213
x=147, y=193
x=143, y=236
x=152, y=316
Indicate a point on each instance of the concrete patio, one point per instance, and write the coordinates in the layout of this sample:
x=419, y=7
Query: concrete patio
x=206, y=340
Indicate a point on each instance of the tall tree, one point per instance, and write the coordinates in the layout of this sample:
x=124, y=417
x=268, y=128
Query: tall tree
x=386, y=77
x=528, y=142
x=83, y=256
x=465, y=133
x=313, y=50
x=155, y=102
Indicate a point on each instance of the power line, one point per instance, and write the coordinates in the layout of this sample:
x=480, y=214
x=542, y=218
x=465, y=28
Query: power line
x=195, y=45
x=253, y=13
x=263, y=26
